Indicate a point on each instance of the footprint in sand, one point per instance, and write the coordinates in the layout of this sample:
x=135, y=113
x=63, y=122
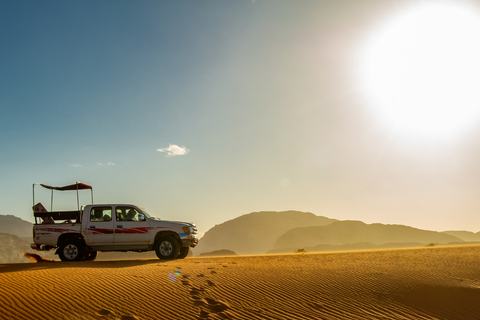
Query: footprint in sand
x=196, y=291
x=314, y=305
x=210, y=283
x=203, y=314
x=213, y=272
x=200, y=275
x=217, y=306
x=128, y=318
x=104, y=312
x=198, y=302
x=212, y=304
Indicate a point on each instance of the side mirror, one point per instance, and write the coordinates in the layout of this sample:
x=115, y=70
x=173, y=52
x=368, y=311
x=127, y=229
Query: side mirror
x=141, y=217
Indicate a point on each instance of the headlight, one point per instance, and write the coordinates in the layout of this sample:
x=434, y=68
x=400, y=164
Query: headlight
x=188, y=230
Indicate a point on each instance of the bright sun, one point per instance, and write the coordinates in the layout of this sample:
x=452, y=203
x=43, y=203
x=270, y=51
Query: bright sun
x=420, y=71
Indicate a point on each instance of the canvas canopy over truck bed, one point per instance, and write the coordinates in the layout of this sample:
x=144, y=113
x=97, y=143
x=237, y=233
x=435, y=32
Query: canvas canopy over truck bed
x=39, y=211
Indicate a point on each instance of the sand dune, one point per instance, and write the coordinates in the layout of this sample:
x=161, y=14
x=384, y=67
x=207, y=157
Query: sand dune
x=427, y=283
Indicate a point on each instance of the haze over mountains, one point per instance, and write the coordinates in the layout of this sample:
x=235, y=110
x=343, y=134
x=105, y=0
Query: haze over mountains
x=263, y=232
x=276, y=232
x=465, y=235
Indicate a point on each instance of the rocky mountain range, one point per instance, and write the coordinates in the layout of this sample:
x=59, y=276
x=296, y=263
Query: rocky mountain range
x=256, y=232
x=278, y=232
x=355, y=232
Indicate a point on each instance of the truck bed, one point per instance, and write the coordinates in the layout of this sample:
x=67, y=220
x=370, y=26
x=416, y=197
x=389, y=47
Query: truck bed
x=73, y=216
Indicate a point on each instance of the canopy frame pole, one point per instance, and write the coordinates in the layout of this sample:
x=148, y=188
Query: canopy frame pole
x=51, y=202
x=78, y=199
x=33, y=191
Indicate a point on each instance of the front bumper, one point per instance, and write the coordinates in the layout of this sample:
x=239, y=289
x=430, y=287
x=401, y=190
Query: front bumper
x=188, y=240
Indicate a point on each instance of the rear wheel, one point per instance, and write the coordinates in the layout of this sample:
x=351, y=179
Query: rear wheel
x=90, y=255
x=71, y=250
x=183, y=252
x=167, y=248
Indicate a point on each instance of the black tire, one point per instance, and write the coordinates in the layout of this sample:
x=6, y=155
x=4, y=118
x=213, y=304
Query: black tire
x=71, y=250
x=183, y=252
x=167, y=248
x=90, y=255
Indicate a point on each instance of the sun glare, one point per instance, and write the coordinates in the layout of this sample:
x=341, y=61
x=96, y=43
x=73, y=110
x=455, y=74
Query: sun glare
x=420, y=70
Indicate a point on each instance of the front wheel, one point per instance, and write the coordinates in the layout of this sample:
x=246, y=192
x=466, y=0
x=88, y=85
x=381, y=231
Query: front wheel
x=183, y=252
x=71, y=250
x=167, y=248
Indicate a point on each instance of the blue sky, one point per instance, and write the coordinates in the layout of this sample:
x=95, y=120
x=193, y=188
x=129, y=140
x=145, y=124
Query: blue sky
x=263, y=94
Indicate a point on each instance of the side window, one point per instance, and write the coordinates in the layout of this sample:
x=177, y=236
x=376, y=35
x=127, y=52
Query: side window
x=101, y=214
x=128, y=214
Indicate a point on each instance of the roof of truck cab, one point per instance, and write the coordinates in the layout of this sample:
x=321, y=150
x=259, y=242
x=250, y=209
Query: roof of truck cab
x=113, y=204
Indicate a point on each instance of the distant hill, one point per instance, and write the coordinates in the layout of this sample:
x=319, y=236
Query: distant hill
x=256, y=232
x=218, y=253
x=465, y=235
x=14, y=225
x=352, y=232
x=13, y=247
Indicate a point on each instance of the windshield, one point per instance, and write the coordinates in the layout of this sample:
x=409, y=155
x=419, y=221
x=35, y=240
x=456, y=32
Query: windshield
x=148, y=215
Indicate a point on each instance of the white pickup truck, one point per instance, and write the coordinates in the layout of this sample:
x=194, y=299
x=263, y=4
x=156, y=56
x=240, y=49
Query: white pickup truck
x=79, y=235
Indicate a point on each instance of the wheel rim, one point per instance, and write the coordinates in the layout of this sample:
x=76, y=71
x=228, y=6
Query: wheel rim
x=70, y=251
x=166, y=248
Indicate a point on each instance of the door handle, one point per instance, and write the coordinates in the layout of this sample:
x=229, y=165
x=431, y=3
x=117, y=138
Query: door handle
x=92, y=227
x=120, y=226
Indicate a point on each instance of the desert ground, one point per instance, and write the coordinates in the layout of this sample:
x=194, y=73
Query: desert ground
x=425, y=283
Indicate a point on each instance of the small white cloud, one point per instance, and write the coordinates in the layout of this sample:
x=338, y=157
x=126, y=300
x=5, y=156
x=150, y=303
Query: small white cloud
x=174, y=150
x=106, y=164
x=75, y=165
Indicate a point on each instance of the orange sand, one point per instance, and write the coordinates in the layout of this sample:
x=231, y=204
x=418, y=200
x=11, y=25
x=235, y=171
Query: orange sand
x=428, y=283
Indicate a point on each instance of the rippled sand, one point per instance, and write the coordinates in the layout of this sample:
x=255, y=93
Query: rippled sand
x=428, y=283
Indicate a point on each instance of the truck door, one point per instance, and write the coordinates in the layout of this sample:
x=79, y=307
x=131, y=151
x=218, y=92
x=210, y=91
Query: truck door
x=131, y=226
x=99, y=227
